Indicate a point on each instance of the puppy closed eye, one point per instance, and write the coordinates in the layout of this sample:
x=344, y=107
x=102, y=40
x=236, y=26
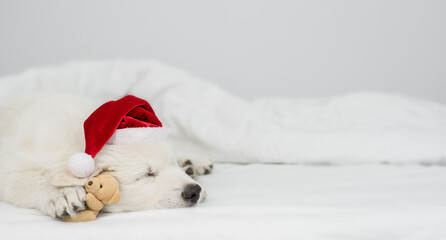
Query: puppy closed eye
x=151, y=174
x=148, y=174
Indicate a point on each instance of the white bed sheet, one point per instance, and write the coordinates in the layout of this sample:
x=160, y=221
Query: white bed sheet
x=274, y=202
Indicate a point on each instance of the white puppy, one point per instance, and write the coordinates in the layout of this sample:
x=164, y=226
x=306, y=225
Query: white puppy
x=38, y=134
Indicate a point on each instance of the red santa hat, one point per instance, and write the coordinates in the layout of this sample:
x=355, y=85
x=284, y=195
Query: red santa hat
x=127, y=120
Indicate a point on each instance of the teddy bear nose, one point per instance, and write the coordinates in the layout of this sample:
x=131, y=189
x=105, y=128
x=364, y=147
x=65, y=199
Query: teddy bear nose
x=90, y=183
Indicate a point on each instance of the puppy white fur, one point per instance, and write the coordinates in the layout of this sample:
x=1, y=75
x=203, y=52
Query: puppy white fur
x=38, y=133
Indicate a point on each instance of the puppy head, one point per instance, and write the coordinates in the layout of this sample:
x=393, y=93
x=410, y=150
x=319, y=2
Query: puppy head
x=149, y=177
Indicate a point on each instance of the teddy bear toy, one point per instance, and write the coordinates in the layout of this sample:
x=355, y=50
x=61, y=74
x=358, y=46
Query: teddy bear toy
x=102, y=189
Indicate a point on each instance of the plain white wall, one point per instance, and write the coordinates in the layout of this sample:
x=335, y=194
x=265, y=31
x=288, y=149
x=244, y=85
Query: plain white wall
x=252, y=48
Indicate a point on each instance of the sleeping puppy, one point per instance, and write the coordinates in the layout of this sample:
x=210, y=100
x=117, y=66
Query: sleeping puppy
x=39, y=133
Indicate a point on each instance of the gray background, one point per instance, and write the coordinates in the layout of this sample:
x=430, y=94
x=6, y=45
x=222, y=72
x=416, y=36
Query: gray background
x=252, y=48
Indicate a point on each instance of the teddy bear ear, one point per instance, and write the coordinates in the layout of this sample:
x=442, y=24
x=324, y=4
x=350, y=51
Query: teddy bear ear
x=115, y=198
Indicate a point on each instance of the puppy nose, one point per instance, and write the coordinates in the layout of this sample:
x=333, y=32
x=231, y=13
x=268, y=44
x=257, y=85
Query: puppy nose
x=90, y=183
x=191, y=193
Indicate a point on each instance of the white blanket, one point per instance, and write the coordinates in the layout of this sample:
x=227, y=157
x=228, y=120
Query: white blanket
x=262, y=201
x=357, y=128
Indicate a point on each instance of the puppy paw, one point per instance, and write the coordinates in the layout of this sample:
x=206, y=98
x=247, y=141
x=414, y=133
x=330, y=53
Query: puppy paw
x=189, y=169
x=64, y=201
x=196, y=166
x=204, y=166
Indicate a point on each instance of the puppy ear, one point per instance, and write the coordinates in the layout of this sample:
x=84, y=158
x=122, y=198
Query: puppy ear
x=67, y=179
x=115, y=198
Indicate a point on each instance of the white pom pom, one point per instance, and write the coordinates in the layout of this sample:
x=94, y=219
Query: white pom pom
x=81, y=165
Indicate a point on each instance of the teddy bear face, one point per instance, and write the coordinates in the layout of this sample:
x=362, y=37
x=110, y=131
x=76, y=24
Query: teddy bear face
x=104, y=187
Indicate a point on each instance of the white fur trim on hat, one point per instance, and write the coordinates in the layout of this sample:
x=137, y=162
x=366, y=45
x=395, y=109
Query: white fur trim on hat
x=81, y=164
x=132, y=135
